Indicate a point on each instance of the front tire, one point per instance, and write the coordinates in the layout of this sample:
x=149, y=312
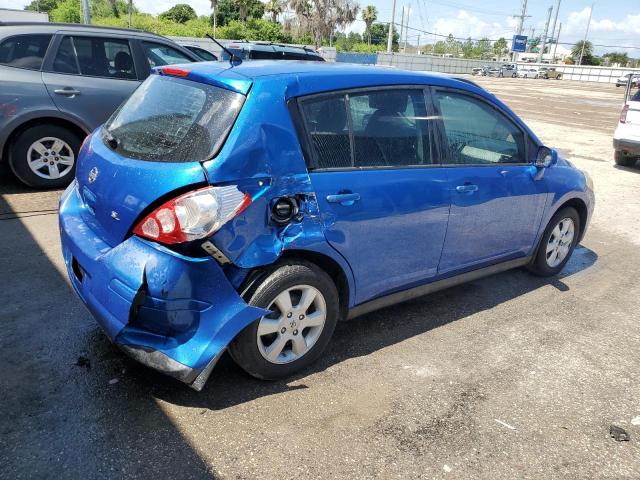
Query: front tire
x=45, y=156
x=624, y=160
x=305, y=308
x=557, y=244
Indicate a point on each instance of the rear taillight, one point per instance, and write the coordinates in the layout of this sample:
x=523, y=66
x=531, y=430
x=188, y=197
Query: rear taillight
x=175, y=71
x=623, y=114
x=193, y=215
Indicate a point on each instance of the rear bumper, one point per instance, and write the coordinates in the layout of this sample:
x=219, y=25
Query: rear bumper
x=629, y=147
x=175, y=314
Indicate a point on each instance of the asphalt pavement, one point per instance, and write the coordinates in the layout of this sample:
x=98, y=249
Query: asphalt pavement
x=511, y=376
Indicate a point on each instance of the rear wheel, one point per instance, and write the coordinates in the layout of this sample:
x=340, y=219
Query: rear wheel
x=624, y=160
x=557, y=244
x=304, y=311
x=44, y=156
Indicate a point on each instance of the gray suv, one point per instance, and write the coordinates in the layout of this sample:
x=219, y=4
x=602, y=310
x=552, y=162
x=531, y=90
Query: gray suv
x=60, y=81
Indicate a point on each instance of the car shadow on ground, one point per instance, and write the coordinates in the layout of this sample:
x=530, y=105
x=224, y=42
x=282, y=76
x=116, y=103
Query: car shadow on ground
x=634, y=168
x=229, y=385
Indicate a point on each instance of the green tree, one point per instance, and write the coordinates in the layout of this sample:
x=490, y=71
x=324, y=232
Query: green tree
x=584, y=48
x=369, y=15
x=179, y=13
x=67, y=11
x=621, y=58
x=274, y=8
x=467, y=48
x=482, y=48
x=42, y=5
x=230, y=10
x=500, y=47
x=380, y=34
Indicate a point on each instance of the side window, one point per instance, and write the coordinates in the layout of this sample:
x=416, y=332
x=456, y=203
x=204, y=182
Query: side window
x=95, y=57
x=158, y=55
x=66, y=60
x=24, y=51
x=326, y=122
x=104, y=57
x=390, y=128
x=477, y=133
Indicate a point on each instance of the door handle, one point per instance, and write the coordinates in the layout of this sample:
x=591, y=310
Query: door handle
x=467, y=188
x=346, y=199
x=67, y=91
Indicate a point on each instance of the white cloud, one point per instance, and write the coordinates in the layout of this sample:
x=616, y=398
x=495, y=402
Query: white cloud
x=577, y=24
x=464, y=25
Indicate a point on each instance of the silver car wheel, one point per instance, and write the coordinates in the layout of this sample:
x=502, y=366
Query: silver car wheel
x=296, y=321
x=50, y=158
x=560, y=242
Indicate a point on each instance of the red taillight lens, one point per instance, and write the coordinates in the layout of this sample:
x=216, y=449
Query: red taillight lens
x=193, y=215
x=623, y=114
x=175, y=72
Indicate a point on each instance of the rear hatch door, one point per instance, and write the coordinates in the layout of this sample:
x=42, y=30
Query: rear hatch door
x=151, y=150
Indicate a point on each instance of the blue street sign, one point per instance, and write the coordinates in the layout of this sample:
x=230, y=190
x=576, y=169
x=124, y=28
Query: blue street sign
x=519, y=43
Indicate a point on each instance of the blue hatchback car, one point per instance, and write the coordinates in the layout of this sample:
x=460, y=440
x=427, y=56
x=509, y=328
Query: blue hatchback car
x=249, y=208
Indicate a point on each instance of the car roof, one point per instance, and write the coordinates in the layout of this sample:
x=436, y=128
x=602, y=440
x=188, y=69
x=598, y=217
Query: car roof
x=271, y=47
x=41, y=27
x=305, y=78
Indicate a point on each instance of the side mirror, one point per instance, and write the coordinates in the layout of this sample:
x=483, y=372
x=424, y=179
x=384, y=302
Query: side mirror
x=546, y=157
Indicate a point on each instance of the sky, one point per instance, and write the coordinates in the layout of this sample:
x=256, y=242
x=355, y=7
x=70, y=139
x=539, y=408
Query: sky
x=615, y=23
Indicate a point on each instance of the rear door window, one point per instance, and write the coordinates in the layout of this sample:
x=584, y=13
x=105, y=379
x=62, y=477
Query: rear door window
x=173, y=120
x=159, y=54
x=376, y=128
x=24, y=51
x=95, y=57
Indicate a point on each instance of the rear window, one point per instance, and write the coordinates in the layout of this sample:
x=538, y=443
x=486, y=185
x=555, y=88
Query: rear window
x=173, y=120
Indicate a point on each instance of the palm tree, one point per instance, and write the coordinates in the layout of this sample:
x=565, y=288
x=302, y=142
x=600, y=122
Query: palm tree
x=243, y=9
x=275, y=8
x=369, y=15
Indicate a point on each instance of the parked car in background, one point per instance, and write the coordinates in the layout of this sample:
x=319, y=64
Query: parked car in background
x=528, y=73
x=626, y=138
x=270, y=51
x=549, y=73
x=509, y=70
x=203, y=53
x=624, y=79
x=249, y=208
x=482, y=71
x=58, y=82
x=495, y=72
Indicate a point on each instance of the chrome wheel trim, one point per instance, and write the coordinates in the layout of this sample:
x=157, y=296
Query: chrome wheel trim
x=50, y=158
x=560, y=242
x=294, y=326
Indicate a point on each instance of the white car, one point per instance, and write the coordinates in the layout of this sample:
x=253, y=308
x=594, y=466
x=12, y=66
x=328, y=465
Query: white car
x=626, y=138
x=624, y=79
x=528, y=73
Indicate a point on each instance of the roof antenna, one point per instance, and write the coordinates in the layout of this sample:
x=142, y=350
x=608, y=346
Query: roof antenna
x=232, y=55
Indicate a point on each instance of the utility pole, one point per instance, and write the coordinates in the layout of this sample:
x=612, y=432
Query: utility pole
x=586, y=33
x=401, y=29
x=406, y=30
x=393, y=19
x=544, y=38
x=553, y=29
x=85, y=12
x=131, y=8
x=532, y=32
x=522, y=16
x=557, y=40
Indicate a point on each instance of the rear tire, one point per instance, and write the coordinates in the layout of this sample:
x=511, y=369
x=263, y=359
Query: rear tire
x=624, y=160
x=45, y=156
x=557, y=243
x=293, y=336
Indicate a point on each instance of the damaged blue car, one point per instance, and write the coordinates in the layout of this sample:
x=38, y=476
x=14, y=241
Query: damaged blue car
x=248, y=208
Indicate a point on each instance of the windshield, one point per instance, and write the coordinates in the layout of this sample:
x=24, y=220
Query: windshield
x=173, y=120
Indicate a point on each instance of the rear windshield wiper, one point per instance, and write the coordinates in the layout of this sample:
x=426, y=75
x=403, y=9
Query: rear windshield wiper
x=112, y=141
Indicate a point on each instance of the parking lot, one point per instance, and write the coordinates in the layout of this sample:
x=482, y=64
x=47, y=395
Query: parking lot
x=511, y=376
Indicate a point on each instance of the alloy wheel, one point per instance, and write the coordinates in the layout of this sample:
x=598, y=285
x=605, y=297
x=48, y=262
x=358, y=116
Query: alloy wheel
x=50, y=158
x=294, y=325
x=560, y=242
